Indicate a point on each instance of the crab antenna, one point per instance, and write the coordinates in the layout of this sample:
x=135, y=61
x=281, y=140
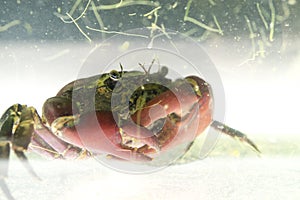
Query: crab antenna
x=153, y=60
x=150, y=66
x=122, y=69
x=233, y=133
x=143, y=67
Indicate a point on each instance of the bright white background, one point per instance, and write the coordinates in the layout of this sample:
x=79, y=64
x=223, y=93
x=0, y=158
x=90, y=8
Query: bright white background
x=263, y=102
x=259, y=99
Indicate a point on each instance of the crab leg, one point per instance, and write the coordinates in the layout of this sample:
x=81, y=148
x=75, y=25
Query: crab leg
x=234, y=133
x=22, y=129
x=16, y=115
x=45, y=143
x=7, y=122
x=188, y=128
x=16, y=129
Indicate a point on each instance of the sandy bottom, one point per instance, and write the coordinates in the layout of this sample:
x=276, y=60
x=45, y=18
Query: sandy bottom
x=211, y=178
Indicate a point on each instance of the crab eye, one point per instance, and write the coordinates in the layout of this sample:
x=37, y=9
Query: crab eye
x=114, y=75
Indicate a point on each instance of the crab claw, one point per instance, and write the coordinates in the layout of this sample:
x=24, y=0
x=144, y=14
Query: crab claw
x=178, y=100
x=56, y=107
x=191, y=103
x=140, y=134
x=99, y=134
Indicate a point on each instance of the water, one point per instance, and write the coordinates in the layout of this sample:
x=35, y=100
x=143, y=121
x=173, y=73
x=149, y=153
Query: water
x=257, y=62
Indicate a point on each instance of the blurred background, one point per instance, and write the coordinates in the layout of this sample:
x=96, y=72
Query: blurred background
x=254, y=45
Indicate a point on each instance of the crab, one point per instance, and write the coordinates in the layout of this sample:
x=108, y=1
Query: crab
x=128, y=115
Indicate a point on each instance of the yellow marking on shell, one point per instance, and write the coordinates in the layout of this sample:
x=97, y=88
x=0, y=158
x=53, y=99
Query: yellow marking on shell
x=195, y=86
x=61, y=122
x=104, y=91
x=100, y=81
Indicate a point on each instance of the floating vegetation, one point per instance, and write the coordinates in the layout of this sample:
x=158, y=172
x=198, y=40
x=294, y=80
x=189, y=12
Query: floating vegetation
x=259, y=23
x=200, y=24
x=9, y=25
